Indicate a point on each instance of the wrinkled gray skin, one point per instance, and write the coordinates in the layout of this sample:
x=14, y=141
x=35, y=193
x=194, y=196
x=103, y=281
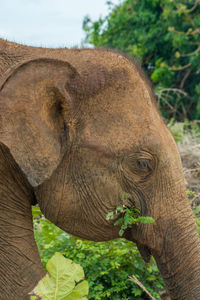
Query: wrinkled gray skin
x=78, y=129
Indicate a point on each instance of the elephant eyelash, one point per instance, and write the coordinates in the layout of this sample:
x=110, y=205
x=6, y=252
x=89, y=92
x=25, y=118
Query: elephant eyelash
x=144, y=164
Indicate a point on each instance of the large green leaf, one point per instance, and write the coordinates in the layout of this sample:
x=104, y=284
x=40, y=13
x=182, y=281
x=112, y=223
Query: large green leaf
x=60, y=283
x=58, y=264
x=79, y=292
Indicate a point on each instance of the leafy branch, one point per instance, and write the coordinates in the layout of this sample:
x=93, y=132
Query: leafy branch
x=129, y=216
x=183, y=8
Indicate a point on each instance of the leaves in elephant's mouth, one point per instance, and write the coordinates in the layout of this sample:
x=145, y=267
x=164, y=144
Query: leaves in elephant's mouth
x=127, y=216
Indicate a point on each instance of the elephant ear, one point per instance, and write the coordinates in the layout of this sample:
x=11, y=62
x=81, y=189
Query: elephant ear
x=35, y=108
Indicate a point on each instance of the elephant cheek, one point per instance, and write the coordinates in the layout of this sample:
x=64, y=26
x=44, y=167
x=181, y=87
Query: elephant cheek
x=56, y=200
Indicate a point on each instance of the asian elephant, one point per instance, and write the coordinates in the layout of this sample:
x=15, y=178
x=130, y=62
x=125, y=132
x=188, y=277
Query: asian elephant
x=78, y=130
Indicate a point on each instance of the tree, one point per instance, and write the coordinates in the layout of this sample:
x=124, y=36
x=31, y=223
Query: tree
x=165, y=36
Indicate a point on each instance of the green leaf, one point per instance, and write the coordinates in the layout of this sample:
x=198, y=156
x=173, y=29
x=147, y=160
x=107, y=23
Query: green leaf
x=125, y=196
x=58, y=264
x=177, y=54
x=119, y=222
x=196, y=210
x=119, y=208
x=145, y=220
x=59, y=284
x=121, y=232
x=170, y=29
x=110, y=216
x=36, y=212
x=127, y=219
x=79, y=292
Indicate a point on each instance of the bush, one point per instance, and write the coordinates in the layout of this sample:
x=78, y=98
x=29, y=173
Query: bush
x=107, y=265
x=164, y=36
x=180, y=130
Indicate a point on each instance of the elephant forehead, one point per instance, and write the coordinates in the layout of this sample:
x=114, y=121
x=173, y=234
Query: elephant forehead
x=121, y=117
x=120, y=127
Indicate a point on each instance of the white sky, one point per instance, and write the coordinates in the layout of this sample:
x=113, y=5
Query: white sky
x=49, y=23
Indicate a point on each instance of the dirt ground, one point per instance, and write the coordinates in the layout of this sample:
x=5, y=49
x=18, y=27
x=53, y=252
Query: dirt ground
x=190, y=154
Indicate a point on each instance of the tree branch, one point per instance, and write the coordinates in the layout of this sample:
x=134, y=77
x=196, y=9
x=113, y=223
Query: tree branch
x=193, y=8
x=135, y=280
x=187, y=10
x=191, y=53
x=189, y=32
x=187, y=73
x=179, y=68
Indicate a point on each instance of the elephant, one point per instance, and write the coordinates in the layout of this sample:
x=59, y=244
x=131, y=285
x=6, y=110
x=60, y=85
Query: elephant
x=79, y=128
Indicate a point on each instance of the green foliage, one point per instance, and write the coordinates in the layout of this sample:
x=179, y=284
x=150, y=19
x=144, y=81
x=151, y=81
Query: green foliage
x=107, y=265
x=129, y=216
x=60, y=281
x=164, y=35
x=197, y=219
x=195, y=197
x=181, y=129
x=177, y=130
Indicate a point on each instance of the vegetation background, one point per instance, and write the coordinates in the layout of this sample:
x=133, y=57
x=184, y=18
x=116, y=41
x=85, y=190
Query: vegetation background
x=164, y=35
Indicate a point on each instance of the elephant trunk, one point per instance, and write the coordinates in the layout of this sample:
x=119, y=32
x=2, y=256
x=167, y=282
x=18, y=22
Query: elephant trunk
x=178, y=257
x=174, y=243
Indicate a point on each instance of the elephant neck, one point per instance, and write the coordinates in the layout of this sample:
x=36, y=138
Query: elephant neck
x=20, y=265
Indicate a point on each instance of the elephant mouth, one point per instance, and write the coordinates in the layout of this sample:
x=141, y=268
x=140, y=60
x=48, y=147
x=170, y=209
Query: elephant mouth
x=145, y=252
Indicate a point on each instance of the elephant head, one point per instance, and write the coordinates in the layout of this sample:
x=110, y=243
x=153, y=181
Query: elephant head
x=82, y=128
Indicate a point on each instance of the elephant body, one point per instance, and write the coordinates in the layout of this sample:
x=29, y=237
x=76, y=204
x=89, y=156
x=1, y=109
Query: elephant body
x=78, y=130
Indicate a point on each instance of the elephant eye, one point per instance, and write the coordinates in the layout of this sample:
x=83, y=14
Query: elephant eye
x=144, y=164
x=141, y=164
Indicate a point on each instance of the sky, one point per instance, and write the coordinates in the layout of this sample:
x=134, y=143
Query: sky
x=48, y=23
